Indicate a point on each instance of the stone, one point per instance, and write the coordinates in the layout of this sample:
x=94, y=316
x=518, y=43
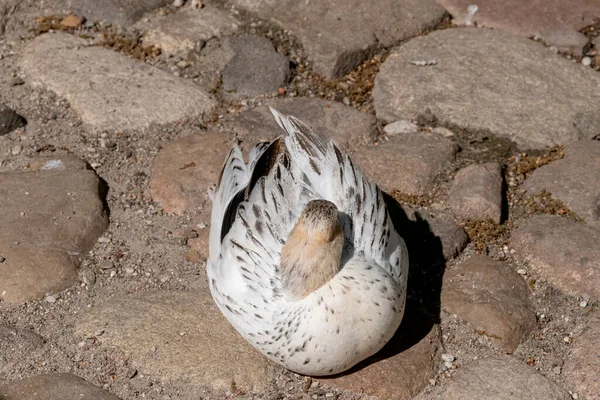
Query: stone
x=399, y=127
x=200, y=244
x=399, y=371
x=527, y=94
x=345, y=125
x=582, y=366
x=565, y=252
x=185, y=168
x=187, y=29
x=57, y=162
x=338, y=36
x=498, y=378
x=9, y=120
x=121, y=12
x=107, y=89
x=49, y=219
x=54, y=387
x=408, y=162
x=567, y=41
x=557, y=22
x=574, y=180
x=17, y=345
x=256, y=68
x=492, y=297
x=476, y=192
x=147, y=326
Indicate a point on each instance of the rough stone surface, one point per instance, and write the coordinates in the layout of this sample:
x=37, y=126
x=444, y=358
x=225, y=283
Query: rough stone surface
x=9, y=120
x=348, y=127
x=17, y=344
x=555, y=21
x=256, y=68
x=407, y=162
x=565, y=252
x=109, y=90
x=187, y=29
x=339, y=35
x=486, y=80
x=491, y=296
x=399, y=377
x=210, y=353
x=497, y=378
x=54, y=387
x=400, y=127
x=57, y=162
x=582, y=367
x=48, y=219
x=574, y=180
x=122, y=12
x=183, y=171
x=477, y=192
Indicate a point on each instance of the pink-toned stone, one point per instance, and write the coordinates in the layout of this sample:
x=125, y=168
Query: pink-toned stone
x=491, y=296
x=574, y=180
x=582, y=366
x=407, y=162
x=565, y=252
x=54, y=387
x=477, y=192
x=558, y=22
x=184, y=170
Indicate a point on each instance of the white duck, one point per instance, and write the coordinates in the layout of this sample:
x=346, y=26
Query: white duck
x=304, y=260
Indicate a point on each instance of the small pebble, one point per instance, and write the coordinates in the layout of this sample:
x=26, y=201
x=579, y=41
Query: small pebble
x=50, y=299
x=81, y=344
x=2, y=259
x=103, y=239
x=448, y=357
x=106, y=264
x=556, y=370
x=587, y=61
x=522, y=271
x=400, y=127
x=346, y=100
x=113, y=273
x=583, y=304
x=16, y=150
x=129, y=270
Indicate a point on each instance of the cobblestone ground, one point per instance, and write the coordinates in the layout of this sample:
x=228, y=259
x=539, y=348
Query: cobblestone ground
x=482, y=123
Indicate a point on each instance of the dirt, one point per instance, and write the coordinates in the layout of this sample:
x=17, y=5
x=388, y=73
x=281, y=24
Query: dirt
x=141, y=235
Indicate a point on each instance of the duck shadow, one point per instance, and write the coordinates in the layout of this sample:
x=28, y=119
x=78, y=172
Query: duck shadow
x=427, y=266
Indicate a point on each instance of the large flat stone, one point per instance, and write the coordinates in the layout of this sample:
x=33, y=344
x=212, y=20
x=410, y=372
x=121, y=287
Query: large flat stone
x=497, y=378
x=339, y=35
x=345, y=125
x=122, y=12
x=557, y=22
x=179, y=336
x=565, y=252
x=187, y=29
x=184, y=169
x=582, y=366
x=491, y=296
x=476, y=192
x=54, y=387
x=48, y=219
x=107, y=89
x=574, y=180
x=398, y=376
x=408, y=162
x=488, y=81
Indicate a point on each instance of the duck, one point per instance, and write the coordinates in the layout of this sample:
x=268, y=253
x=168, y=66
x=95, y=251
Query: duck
x=304, y=261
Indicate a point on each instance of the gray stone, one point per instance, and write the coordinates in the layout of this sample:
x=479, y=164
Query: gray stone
x=491, y=296
x=574, y=180
x=582, y=366
x=17, y=346
x=339, y=35
x=256, y=68
x=488, y=81
x=107, y=89
x=565, y=252
x=568, y=41
x=476, y=192
x=556, y=21
x=497, y=378
x=148, y=327
x=187, y=29
x=54, y=387
x=122, y=12
x=345, y=125
x=184, y=169
x=9, y=120
x=48, y=219
x=401, y=126
x=408, y=162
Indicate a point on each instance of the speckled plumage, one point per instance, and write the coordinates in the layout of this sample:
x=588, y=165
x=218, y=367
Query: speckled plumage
x=255, y=208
